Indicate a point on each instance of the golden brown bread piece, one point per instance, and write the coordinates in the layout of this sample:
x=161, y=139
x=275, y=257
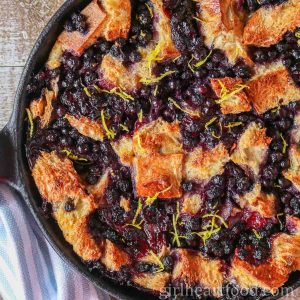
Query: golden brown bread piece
x=252, y=149
x=43, y=108
x=114, y=257
x=152, y=281
x=59, y=183
x=272, y=274
x=286, y=251
x=124, y=150
x=293, y=173
x=157, y=173
x=118, y=21
x=37, y=107
x=75, y=41
x=87, y=127
x=55, y=56
x=222, y=24
x=203, y=164
x=55, y=177
x=125, y=204
x=269, y=23
x=259, y=201
x=270, y=87
x=236, y=103
x=191, y=268
x=158, y=137
x=192, y=203
x=115, y=74
x=268, y=275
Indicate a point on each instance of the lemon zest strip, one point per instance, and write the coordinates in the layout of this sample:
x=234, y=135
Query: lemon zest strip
x=109, y=133
x=233, y=124
x=137, y=213
x=238, y=89
x=211, y=121
x=203, y=61
x=150, y=200
x=176, y=236
x=159, y=262
x=140, y=115
x=187, y=111
x=284, y=144
x=87, y=92
x=117, y=91
x=150, y=10
x=124, y=127
x=30, y=120
x=73, y=156
x=156, y=79
x=257, y=234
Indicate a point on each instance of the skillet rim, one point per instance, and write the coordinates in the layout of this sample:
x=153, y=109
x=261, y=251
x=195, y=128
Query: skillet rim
x=22, y=180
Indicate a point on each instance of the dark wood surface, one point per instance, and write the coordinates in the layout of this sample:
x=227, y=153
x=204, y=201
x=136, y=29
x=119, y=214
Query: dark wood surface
x=21, y=21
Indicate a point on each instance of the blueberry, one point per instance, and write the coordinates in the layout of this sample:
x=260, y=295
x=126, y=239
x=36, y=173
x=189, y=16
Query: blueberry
x=168, y=263
x=187, y=186
x=83, y=148
x=259, y=56
x=69, y=206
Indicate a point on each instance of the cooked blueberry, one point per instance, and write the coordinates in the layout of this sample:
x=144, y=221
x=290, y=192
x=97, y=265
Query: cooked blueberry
x=69, y=206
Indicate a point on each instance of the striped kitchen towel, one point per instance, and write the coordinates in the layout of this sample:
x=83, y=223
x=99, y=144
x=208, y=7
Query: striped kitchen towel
x=29, y=268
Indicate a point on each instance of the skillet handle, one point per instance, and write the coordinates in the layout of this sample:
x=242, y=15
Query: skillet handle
x=8, y=157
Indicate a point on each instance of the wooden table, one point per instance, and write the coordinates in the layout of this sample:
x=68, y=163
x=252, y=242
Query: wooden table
x=21, y=21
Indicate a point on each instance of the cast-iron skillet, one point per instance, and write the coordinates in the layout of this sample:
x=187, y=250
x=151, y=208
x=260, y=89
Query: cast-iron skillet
x=14, y=169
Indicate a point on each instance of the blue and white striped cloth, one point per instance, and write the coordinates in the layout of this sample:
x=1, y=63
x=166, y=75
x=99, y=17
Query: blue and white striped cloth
x=29, y=268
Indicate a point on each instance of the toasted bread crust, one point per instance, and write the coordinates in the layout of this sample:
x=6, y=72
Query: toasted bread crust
x=75, y=41
x=118, y=21
x=115, y=74
x=114, y=257
x=155, y=282
x=37, y=107
x=192, y=204
x=156, y=173
x=235, y=104
x=268, y=24
x=55, y=177
x=286, y=251
x=252, y=149
x=266, y=276
x=222, y=24
x=192, y=269
x=55, y=55
x=42, y=107
x=272, y=274
x=58, y=183
x=272, y=87
x=124, y=150
x=293, y=173
x=203, y=164
x=158, y=137
x=87, y=127
x=125, y=204
x=259, y=201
